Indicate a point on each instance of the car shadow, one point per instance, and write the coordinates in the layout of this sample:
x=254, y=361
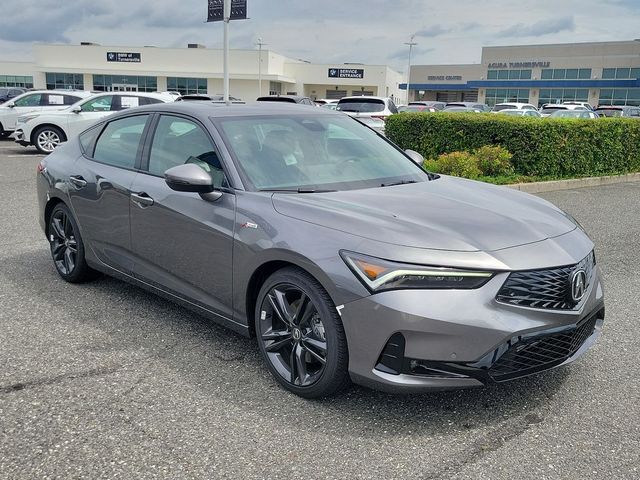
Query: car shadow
x=204, y=354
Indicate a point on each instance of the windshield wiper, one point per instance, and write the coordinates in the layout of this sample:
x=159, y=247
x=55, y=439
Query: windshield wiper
x=295, y=190
x=401, y=182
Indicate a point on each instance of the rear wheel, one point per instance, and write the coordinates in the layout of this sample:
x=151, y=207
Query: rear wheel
x=67, y=248
x=300, y=335
x=47, y=138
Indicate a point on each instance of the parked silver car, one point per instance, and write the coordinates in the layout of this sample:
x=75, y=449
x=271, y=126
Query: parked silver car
x=365, y=106
x=308, y=230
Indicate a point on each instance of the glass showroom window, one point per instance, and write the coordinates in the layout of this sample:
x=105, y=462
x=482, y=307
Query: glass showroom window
x=65, y=81
x=508, y=74
x=620, y=96
x=187, y=86
x=559, y=95
x=124, y=83
x=16, y=81
x=620, y=73
x=501, y=95
x=566, y=74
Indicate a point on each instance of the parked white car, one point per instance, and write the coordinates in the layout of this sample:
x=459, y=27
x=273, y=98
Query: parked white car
x=586, y=105
x=498, y=107
x=364, y=106
x=35, y=101
x=48, y=130
x=548, y=108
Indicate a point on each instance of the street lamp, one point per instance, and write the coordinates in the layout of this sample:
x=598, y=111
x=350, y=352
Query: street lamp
x=260, y=45
x=411, y=44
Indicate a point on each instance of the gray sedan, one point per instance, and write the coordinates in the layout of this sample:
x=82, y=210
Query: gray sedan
x=335, y=249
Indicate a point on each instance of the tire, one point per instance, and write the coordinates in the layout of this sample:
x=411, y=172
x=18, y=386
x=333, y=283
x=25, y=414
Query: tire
x=67, y=248
x=300, y=335
x=47, y=138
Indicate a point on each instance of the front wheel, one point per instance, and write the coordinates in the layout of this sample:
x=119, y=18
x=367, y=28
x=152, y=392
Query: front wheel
x=300, y=335
x=47, y=138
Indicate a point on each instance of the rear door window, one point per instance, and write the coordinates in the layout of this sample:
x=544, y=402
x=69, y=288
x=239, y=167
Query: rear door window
x=100, y=104
x=119, y=142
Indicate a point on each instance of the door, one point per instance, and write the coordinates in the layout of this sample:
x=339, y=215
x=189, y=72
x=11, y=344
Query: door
x=90, y=112
x=182, y=242
x=124, y=87
x=26, y=104
x=99, y=188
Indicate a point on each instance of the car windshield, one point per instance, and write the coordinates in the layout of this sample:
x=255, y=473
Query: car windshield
x=497, y=108
x=361, y=105
x=512, y=112
x=609, y=112
x=313, y=153
x=568, y=114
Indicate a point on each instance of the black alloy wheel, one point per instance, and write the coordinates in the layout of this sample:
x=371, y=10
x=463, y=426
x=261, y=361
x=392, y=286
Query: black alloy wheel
x=300, y=334
x=67, y=249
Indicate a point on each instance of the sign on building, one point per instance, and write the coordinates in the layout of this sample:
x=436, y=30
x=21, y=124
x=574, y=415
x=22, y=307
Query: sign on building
x=216, y=10
x=126, y=57
x=346, y=73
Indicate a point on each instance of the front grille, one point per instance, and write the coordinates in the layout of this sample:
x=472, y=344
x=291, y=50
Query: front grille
x=545, y=288
x=541, y=352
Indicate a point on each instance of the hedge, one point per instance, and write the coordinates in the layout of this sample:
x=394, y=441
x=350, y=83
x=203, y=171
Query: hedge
x=540, y=147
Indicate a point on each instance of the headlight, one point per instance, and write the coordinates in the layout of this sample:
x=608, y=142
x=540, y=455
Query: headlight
x=379, y=275
x=25, y=118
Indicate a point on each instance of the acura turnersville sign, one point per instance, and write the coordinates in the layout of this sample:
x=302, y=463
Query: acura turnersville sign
x=126, y=57
x=346, y=73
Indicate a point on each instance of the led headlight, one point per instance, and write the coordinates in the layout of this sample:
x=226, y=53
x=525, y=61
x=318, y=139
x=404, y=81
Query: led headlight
x=379, y=275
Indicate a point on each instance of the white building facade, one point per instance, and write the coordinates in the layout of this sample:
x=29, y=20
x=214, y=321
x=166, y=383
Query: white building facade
x=195, y=69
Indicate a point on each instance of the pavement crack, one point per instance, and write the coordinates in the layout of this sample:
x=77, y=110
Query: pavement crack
x=492, y=441
x=95, y=372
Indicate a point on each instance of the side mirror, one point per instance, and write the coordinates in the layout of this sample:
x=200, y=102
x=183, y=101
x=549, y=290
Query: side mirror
x=10, y=105
x=76, y=109
x=415, y=156
x=191, y=178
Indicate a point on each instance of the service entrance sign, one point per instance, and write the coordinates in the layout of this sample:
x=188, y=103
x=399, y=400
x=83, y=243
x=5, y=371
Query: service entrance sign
x=346, y=73
x=216, y=10
x=126, y=57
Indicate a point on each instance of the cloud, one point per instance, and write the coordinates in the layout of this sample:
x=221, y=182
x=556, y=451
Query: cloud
x=403, y=53
x=543, y=27
x=432, y=31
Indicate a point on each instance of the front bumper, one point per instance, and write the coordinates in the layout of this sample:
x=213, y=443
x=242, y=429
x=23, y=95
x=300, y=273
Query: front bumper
x=19, y=137
x=445, y=339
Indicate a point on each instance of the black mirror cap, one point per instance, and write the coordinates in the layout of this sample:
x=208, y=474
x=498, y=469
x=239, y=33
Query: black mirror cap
x=189, y=178
x=179, y=186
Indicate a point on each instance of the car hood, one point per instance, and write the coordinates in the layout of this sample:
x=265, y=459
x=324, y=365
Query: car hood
x=445, y=214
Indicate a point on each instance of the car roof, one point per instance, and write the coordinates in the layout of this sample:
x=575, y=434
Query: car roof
x=292, y=97
x=368, y=97
x=204, y=110
x=513, y=103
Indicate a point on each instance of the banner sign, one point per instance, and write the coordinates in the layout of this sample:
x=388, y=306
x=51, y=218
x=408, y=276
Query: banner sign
x=216, y=10
x=346, y=73
x=123, y=57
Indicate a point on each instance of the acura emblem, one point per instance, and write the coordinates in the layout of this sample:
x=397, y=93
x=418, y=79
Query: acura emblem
x=578, y=285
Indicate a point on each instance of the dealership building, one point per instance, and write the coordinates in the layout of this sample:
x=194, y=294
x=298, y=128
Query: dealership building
x=194, y=69
x=601, y=73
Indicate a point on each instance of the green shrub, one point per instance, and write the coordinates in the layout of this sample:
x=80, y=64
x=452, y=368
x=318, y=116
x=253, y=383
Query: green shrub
x=460, y=164
x=494, y=161
x=540, y=147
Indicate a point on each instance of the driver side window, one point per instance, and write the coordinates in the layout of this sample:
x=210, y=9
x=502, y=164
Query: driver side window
x=178, y=141
x=100, y=104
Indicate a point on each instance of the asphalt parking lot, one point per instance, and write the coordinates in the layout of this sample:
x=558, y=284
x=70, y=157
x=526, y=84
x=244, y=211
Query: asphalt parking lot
x=107, y=381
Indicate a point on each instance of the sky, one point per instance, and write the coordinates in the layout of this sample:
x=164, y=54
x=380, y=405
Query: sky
x=323, y=31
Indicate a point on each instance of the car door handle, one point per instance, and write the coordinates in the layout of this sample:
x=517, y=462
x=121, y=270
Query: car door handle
x=142, y=199
x=78, y=181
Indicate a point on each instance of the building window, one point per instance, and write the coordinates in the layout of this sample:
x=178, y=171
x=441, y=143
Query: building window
x=124, y=83
x=502, y=95
x=620, y=96
x=275, y=88
x=620, y=73
x=508, y=74
x=187, y=86
x=16, y=81
x=65, y=81
x=565, y=74
x=559, y=95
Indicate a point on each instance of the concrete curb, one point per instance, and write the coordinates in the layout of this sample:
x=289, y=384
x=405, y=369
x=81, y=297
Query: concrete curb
x=540, y=187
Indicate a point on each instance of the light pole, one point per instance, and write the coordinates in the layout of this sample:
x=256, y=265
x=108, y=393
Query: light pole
x=411, y=43
x=226, y=15
x=260, y=45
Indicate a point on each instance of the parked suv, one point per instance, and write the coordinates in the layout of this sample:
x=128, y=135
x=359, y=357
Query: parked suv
x=618, y=111
x=429, y=103
x=498, y=107
x=37, y=101
x=47, y=130
x=474, y=105
x=286, y=99
x=7, y=93
x=376, y=107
